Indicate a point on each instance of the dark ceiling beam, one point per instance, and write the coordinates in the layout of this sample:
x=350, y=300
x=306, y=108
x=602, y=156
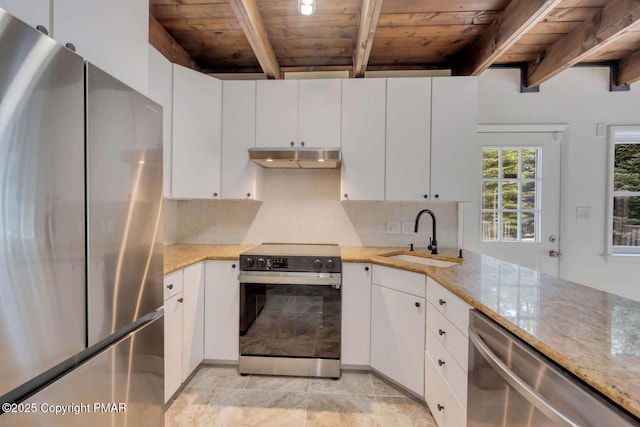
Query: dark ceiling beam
x=629, y=69
x=369, y=14
x=251, y=22
x=516, y=20
x=168, y=46
x=605, y=26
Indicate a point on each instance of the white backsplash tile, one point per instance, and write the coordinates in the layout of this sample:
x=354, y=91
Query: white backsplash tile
x=305, y=207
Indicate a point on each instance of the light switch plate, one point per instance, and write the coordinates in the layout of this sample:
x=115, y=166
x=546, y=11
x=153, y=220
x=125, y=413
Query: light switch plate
x=393, y=227
x=583, y=212
x=407, y=227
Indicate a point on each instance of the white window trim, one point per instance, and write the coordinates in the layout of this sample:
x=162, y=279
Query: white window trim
x=615, y=135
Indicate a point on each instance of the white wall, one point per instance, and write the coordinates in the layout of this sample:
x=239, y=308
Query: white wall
x=579, y=97
x=304, y=206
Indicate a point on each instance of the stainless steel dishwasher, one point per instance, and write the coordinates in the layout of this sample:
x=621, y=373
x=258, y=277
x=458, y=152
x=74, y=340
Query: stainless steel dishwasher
x=511, y=384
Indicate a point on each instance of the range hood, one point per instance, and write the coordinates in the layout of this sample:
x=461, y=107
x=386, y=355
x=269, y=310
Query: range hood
x=296, y=158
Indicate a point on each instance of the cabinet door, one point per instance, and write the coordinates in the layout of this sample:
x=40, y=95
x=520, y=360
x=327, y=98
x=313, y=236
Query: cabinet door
x=277, y=113
x=197, y=136
x=408, y=144
x=193, y=318
x=319, y=112
x=453, y=132
x=356, y=314
x=172, y=344
x=238, y=135
x=161, y=91
x=397, y=336
x=222, y=311
x=113, y=35
x=33, y=12
x=363, y=139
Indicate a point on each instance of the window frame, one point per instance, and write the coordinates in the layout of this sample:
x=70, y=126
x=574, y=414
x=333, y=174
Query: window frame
x=618, y=135
x=537, y=211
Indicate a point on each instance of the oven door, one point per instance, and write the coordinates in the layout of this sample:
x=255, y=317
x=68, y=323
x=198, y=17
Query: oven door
x=279, y=318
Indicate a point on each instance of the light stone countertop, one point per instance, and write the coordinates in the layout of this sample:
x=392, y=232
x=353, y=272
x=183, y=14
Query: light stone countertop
x=593, y=334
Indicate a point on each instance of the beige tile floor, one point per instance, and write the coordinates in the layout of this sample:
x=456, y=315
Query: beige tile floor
x=219, y=396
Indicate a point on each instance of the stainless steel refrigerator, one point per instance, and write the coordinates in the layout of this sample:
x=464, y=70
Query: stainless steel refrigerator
x=81, y=327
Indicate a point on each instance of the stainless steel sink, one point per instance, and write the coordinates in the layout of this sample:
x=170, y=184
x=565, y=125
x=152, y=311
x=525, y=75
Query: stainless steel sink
x=422, y=260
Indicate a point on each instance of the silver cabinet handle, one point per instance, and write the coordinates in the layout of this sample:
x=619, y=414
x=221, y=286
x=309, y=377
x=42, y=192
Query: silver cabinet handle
x=517, y=383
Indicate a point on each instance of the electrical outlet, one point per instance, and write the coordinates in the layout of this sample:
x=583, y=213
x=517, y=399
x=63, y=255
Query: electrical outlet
x=407, y=227
x=393, y=227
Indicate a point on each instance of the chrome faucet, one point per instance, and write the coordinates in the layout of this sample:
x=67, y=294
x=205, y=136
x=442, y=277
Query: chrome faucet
x=433, y=243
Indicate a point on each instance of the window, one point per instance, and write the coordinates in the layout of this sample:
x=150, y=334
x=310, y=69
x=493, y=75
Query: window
x=511, y=182
x=624, y=191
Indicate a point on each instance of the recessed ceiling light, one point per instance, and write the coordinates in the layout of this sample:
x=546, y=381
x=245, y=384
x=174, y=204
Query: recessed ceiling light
x=307, y=7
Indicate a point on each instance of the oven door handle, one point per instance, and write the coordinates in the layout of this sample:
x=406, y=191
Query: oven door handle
x=320, y=279
x=518, y=383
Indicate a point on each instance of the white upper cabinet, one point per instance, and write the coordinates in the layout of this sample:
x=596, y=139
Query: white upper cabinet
x=277, y=113
x=161, y=91
x=238, y=135
x=319, y=113
x=34, y=12
x=292, y=113
x=453, y=132
x=113, y=35
x=197, y=136
x=408, y=139
x=363, y=139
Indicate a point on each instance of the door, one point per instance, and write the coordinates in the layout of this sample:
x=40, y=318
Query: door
x=197, y=135
x=42, y=257
x=397, y=336
x=516, y=215
x=124, y=198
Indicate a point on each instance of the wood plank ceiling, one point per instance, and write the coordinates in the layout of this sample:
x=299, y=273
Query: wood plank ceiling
x=465, y=36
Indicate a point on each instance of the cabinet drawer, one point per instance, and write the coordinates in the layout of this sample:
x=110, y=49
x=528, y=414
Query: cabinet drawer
x=450, y=305
x=448, y=367
x=400, y=280
x=454, y=341
x=446, y=409
x=172, y=284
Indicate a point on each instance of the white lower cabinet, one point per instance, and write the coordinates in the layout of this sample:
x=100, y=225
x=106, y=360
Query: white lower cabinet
x=356, y=314
x=193, y=319
x=222, y=311
x=445, y=407
x=397, y=336
x=172, y=344
x=446, y=355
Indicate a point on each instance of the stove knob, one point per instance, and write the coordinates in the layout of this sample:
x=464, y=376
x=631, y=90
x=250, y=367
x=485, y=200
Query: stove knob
x=317, y=264
x=330, y=264
x=261, y=263
x=248, y=262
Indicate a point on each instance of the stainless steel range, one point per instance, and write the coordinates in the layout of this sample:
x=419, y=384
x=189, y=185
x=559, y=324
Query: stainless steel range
x=290, y=310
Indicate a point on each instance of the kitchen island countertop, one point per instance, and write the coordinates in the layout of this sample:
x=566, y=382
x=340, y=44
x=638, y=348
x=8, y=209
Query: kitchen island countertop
x=592, y=334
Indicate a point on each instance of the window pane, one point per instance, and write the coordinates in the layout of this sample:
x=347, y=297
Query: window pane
x=509, y=226
x=510, y=195
x=626, y=174
x=490, y=163
x=509, y=163
x=528, y=194
x=529, y=162
x=489, y=226
x=626, y=221
x=528, y=223
x=490, y=195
